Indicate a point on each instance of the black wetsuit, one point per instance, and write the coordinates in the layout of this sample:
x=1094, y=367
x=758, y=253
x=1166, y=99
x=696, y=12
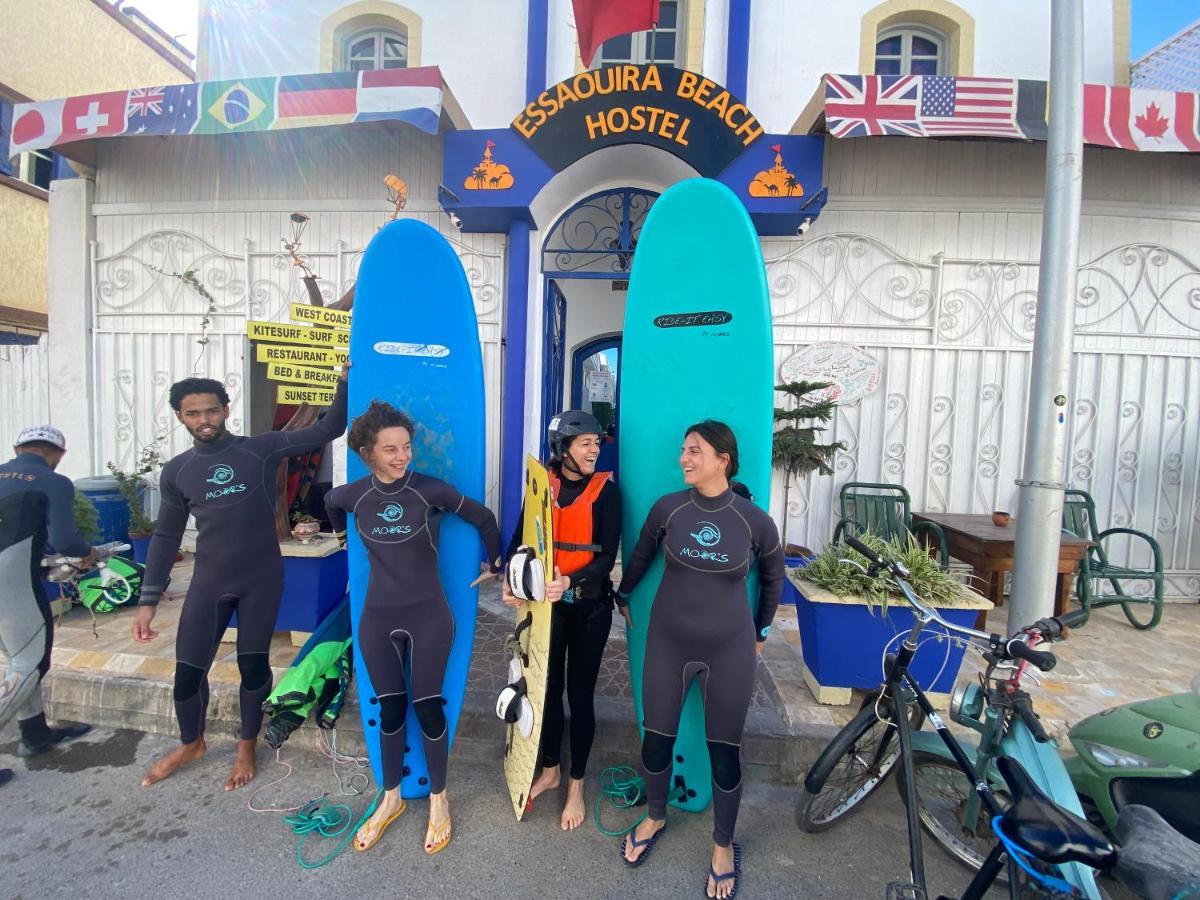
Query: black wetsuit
x=229, y=486
x=701, y=625
x=406, y=619
x=579, y=630
x=35, y=509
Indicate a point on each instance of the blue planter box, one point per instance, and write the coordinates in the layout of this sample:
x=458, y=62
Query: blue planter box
x=312, y=586
x=843, y=642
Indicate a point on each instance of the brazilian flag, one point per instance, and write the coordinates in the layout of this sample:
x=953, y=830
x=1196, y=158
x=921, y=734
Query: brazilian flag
x=241, y=104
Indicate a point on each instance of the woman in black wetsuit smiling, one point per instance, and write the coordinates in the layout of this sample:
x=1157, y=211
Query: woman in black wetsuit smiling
x=406, y=622
x=701, y=626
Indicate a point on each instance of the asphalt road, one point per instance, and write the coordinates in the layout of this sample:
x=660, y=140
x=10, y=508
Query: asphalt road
x=76, y=822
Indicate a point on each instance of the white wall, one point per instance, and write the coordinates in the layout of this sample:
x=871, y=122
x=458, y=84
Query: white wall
x=479, y=46
x=593, y=309
x=483, y=56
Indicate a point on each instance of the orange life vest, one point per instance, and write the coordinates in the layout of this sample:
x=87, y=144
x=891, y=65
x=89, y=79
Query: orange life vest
x=573, y=547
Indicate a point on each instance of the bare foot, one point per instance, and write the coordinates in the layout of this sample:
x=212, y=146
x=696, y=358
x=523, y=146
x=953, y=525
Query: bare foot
x=547, y=781
x=390, y=807
x=574, y=809
x=437, y=835
x=180, y=756
x=645, y=830
x=722, y=862
x=244, y=766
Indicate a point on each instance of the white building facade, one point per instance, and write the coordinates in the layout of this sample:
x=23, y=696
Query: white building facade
x=925, y=253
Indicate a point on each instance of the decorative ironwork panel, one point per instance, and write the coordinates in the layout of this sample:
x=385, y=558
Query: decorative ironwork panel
x=597, y=237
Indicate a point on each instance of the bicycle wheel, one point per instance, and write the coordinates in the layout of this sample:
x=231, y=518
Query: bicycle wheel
x=942, y=793
x=856, y=762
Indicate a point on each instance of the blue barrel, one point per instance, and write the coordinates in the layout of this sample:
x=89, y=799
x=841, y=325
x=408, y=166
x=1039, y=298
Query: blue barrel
x=114, y=511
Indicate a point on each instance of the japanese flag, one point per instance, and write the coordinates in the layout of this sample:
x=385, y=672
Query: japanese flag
x=35, y=126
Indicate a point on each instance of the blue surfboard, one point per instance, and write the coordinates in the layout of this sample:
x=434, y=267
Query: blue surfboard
x=696, y=345
x=414, y=342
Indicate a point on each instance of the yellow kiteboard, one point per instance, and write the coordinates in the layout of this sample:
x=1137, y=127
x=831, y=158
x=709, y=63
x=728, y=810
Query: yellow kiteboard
x=530, y=644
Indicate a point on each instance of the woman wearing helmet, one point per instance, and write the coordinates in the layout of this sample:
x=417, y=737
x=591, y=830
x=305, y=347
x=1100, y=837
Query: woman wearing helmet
x=587, y=530
x=700, y=626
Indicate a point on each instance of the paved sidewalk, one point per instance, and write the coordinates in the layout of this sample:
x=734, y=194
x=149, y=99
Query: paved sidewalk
x=108, y=679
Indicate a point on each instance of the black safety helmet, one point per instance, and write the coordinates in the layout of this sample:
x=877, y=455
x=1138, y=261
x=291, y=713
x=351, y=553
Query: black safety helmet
x=566, y=425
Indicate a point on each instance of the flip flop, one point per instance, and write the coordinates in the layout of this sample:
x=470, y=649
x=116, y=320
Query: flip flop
x=736, y=874
x=362, y=846
x=634, y=843
x=439, y=844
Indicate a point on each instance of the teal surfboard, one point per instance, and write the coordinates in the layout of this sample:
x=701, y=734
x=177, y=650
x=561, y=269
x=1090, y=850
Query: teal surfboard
x=414, y=342
x=697, y=345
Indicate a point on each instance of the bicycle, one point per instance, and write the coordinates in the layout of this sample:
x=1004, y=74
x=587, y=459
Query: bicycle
x=1040, y=842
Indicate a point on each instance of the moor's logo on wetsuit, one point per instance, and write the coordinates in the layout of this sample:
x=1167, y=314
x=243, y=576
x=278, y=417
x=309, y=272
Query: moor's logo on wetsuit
x=392, y=514
x=222, y=475
x=707, y=536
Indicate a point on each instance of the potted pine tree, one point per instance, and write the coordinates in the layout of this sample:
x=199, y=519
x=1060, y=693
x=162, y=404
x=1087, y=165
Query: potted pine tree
x=794, y=447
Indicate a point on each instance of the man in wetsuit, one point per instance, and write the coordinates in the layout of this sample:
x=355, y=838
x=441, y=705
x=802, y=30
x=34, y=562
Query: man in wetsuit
x=227, y=482
x=35, y=510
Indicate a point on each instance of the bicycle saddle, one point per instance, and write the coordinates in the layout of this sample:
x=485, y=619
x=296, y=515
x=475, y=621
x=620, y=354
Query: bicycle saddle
x=1155, y=860
x=1036, y=823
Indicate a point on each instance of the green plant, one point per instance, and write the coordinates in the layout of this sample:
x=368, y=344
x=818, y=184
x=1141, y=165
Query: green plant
x=794, y=447
x=87, y=517
x=937, y=588
x=132, y=484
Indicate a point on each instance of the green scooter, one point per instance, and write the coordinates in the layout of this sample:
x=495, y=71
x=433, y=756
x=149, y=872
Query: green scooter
x=1148, y=753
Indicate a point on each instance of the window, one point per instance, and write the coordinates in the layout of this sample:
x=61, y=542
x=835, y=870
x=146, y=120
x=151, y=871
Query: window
x=907, y=50
x=377, y=49
x=665, y=44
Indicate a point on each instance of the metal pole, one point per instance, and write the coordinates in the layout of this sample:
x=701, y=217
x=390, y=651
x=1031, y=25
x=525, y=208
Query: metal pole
x=1039, y=507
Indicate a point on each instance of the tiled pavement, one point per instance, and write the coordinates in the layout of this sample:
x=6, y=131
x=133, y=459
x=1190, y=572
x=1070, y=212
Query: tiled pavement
x=106, y=677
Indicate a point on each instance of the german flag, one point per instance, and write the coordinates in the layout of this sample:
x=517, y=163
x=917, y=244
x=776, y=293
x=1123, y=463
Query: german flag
x=325, y=99
x=1033, y=98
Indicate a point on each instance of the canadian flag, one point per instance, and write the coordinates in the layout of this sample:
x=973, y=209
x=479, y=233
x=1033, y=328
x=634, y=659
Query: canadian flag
x=598, y=20
x=35, y=126
x=1136, y=119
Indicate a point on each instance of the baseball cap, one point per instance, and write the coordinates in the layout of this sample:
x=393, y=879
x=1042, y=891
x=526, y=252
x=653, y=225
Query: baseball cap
x=47, y=433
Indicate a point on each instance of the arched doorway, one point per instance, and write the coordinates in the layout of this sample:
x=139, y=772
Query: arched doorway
x=586, y=259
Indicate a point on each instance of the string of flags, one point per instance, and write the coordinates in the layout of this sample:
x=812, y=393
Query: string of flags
x=233, y=106
x=949, y=106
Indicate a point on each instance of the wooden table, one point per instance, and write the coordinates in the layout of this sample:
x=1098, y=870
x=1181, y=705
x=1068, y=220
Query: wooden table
x=988, y=549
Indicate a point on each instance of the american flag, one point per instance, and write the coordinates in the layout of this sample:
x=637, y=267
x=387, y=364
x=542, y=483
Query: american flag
x=969, y=106
x=143, y=101
x=864, y=105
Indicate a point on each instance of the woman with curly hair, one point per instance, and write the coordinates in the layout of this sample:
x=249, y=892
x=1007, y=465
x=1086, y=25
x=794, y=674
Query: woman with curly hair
x=406, y=621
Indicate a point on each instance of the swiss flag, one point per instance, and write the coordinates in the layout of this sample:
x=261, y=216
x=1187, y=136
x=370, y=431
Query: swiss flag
x=93, y=115
x=35, y=126
x=598, y=20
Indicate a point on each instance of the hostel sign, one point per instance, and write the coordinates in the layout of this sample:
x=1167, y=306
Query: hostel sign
x=679, y=111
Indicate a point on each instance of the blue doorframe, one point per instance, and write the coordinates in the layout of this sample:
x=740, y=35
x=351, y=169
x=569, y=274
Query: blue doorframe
x=554, y=354
x=609, y=443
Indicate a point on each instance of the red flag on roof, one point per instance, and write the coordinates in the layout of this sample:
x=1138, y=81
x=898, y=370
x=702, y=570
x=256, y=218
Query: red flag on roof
x=598, y=20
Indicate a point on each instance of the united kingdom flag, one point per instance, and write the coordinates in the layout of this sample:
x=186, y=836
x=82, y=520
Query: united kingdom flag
x=144, y=101
x=866, y=105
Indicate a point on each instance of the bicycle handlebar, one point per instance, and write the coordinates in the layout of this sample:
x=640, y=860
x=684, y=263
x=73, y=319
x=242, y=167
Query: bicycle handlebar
x=1024, y=708
x=1042, y=659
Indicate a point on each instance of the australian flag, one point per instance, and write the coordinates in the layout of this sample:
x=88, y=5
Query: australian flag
x=162, y=110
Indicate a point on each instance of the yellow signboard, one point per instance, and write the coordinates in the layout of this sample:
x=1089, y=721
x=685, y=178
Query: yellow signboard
x=283, y=333
x=326, y=378
x=293, y=395
x=303, y=356
x=319, y=315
